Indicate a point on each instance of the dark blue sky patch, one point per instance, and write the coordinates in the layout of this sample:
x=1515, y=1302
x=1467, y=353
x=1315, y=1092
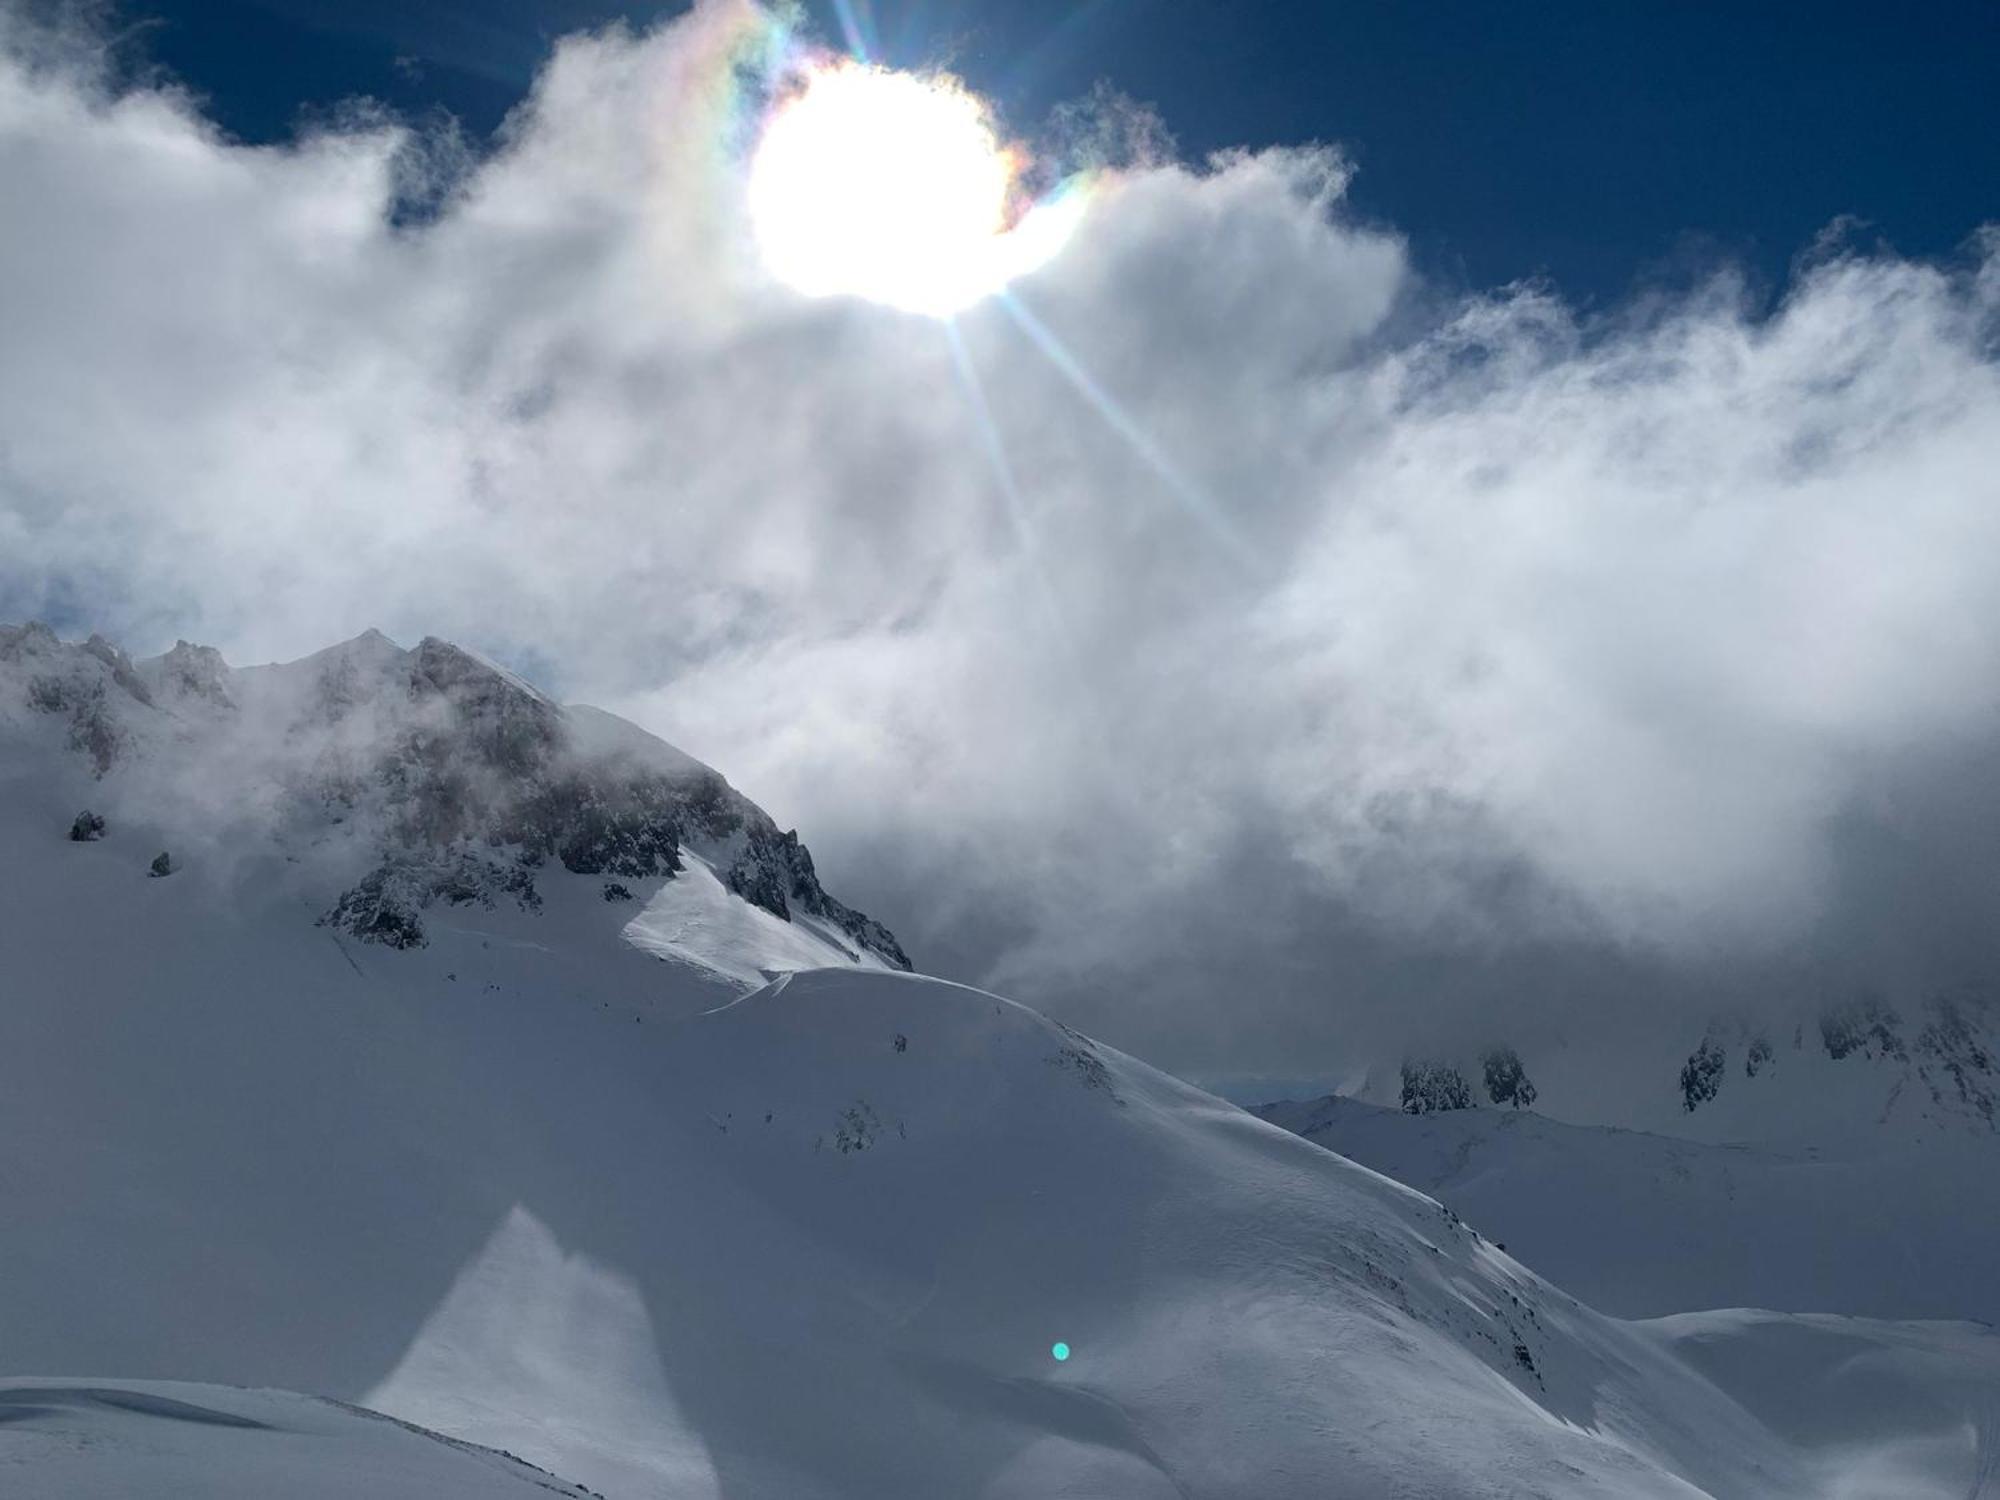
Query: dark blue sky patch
x=1601, y=146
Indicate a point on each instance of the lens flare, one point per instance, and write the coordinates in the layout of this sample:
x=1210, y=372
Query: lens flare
x=896, y=187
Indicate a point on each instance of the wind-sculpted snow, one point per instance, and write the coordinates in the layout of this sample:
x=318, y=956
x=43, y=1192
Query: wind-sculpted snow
x=431, y=777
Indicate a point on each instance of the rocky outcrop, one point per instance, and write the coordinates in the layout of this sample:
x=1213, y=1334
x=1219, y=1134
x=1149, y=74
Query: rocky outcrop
x=1434, y=1087
x=1944, y=1067
x=1956, y=1061
x=1701, y=1074
x=387, y=905
x=189, y=673
x=81, y=685
x=1866, y=1025
x=1758, y=1057
x=775, y=871
x=1507, y=1082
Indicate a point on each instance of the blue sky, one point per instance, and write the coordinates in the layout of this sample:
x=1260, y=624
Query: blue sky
x=1605, y=146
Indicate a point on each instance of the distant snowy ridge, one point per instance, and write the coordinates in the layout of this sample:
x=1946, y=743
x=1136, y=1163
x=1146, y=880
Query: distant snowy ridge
x=1641, y=1225
x=454, y=780
x=1942, y=1067
x=1857, y=1067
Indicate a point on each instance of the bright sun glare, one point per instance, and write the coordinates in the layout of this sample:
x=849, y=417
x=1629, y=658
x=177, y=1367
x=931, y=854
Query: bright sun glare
x=895, y=187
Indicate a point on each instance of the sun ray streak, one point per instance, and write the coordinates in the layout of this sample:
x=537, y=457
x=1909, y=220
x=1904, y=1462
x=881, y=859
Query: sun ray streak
x=1087, y=713
x=855, y=24
x=1003, y=473
x=1191, y=498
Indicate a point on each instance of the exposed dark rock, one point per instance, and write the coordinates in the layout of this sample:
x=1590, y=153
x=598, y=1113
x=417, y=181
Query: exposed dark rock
x=1507, y=1082
x=162, y=865
x=602, y=826
x=635, y=844
x=96, y=734
x=380, y=910
x=762, y=874
x=1958, y=1064
x=1080, y=1057
x=1432, y=1088
x=866, y=931
x=385, y=906
x=1866, y=1025
x=613, y=891
x=858, y=1128
x=1759, y=1057
x=48, y=695
x=92, y=729
x=87, y=829
x=1701, y=1075
x=775, y=871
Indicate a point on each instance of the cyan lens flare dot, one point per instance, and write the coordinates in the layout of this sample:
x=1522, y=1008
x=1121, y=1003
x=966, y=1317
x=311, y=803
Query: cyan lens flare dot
x=1060, y=1351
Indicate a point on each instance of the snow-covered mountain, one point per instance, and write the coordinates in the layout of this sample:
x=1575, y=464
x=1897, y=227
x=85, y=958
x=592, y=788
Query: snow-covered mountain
x=422, y=779
x=1641, y=1225
x=334, y=1105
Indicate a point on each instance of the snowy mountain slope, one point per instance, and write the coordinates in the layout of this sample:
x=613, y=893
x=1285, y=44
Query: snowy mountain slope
x=527, y=1186
x=1642, y=1225
x=819, y=1242
x=402, y=781
x=98, y=1440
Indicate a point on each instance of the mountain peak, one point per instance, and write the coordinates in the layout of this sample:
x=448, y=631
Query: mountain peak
x=427, y=777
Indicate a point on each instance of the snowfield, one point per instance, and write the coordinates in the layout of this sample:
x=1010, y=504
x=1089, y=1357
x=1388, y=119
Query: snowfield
x=527, y=1186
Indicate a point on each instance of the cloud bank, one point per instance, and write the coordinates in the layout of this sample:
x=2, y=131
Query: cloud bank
x=1262, y=654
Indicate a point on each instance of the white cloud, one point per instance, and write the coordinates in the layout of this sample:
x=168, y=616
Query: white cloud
x=1501, y=625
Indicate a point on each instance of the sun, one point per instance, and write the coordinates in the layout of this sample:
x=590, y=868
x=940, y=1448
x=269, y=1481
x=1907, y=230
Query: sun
x=895, y=186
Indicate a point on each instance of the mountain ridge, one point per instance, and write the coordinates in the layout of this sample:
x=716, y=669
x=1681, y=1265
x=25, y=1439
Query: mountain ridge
x=456, y=777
